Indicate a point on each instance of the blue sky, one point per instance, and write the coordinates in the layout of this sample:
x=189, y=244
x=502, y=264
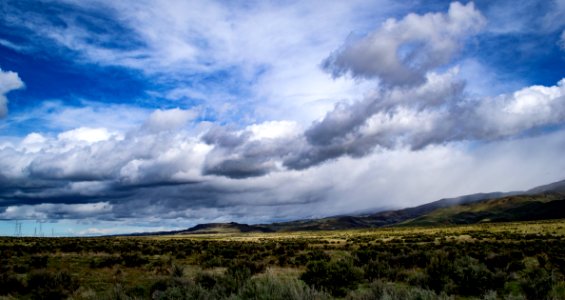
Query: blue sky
x=121, y=116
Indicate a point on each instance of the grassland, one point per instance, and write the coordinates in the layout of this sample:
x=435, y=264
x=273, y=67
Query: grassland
x=520, y=260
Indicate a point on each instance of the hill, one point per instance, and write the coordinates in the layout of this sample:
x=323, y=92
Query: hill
x=212, y=228
x=380, y=219
x=514, y=208
x=540, y=203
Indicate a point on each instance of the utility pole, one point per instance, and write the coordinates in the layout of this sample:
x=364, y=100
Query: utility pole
x=18, y=229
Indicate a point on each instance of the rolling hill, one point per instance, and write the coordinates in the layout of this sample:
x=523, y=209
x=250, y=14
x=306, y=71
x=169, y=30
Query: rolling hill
x=460, y=210
x=540, y=203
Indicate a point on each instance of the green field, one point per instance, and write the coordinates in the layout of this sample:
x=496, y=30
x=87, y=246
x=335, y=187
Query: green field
x=524, y=260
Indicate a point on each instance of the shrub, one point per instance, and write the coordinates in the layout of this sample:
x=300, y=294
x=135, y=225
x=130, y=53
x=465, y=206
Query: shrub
x=10, y=284
x=206, y=280
x=270, y=287
x=336, y=277
x=438, y=273
x=187, y=290
x=390, y=291
x=474, y=278
x=537, y=283
x=105, y=262
x=46, y=285
x=134, y=259
x=38, y=261
x=377, y=269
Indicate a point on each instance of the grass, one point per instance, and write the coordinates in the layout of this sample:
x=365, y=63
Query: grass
x=402, y=257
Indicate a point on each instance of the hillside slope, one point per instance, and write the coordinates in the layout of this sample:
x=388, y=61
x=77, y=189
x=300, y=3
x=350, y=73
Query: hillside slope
x=513, y=208
x=540, y=203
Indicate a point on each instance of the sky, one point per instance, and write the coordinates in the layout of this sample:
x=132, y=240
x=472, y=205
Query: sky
x=133, y=116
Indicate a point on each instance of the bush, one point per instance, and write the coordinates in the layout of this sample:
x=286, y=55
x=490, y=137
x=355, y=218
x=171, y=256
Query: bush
x=390, y=291
x=187, y=290
x=245, y=266
x=133, y=260
x=474, y=278
x=38, y=261
x=438, y=273
x=105, y=262
x=46, y=285
x=10, y=284
x=377, y=269
x=537, y=283
x=270, y=287
x=336, y=277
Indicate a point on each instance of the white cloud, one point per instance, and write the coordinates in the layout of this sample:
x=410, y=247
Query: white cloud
x=8, y=81
x=265, y=55
x=273, y=130
x=57, y=116
x=171, y=119
x=402, y=52
x=85, y=134
x=33, y=142
x=528, y=108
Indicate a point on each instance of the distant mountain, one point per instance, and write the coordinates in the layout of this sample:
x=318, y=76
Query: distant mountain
x=232, y=227
x=540, y=203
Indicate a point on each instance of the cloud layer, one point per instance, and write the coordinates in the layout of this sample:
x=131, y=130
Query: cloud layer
x=271, y=111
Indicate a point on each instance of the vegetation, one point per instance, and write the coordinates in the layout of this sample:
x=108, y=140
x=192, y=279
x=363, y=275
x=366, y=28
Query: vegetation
x=484, y=261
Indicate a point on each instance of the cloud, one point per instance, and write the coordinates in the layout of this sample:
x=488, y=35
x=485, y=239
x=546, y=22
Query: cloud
x=261, y=132
x=171, y=178
x=171, y=119
x=228, y=58
x=8, y=81
x=562, y=40
x=55, y=211
x=402, y=52
x=81, y=134
x=555, y=16
x=254, y=151
x=430, y=108
x=435, y=112
x=56, y=116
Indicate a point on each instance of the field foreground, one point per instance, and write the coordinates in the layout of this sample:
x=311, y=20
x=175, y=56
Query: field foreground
x=487, y=261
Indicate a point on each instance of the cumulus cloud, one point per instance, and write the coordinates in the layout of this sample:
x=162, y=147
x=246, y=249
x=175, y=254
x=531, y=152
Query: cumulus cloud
x=8, y=81
x=436, y=112
x=418, y=106
x=401, y=52
x=170, y=119
x=254, y=151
